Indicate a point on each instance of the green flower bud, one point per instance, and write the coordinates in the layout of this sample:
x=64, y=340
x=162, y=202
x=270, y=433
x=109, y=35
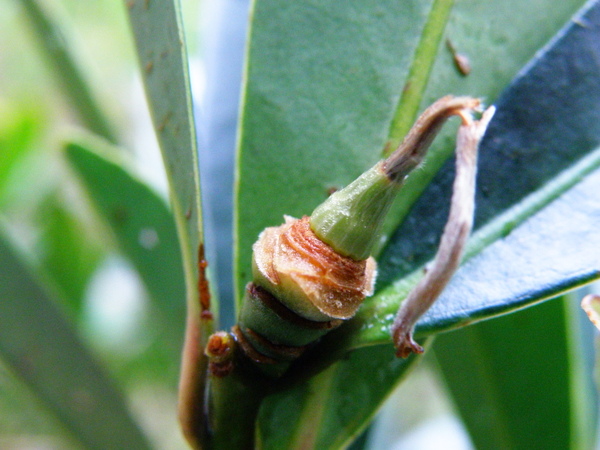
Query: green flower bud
x=350, y=220
x=312, y=273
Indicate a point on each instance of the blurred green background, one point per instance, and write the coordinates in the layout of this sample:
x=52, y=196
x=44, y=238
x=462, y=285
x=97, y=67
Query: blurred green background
x=45, y=211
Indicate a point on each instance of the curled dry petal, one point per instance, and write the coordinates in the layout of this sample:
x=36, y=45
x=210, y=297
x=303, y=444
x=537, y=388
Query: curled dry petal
x=454, y=237
x=591, y=306
x=307, y=275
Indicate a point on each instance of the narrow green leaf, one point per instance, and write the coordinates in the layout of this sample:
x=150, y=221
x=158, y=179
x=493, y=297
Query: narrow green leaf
x=43, y=349
x=68, y=72
x=158, y=33
x=518, y=381
x=141, y=222
x=418, y=76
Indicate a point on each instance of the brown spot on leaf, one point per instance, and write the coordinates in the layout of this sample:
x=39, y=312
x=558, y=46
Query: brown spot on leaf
x=162, y=125
x=461, y=61
x=120, y=214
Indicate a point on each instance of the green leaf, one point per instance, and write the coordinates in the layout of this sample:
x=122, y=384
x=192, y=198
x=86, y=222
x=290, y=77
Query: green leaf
x=141, y=222
x=321, y=87
x=66, y=252
x=42, y=348
x=19, y=128
x=521, y=381
x=160, y=44
x=59, y=55
x=542, y=141
x=339, y=398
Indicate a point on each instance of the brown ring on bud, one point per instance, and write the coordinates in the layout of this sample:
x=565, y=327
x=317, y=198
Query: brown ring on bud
x=287, y=314
x=309, y=276
x=248, y=349
x=276, y=351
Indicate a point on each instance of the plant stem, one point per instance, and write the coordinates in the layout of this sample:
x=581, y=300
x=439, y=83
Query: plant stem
x=235, y=391
x=418, y=76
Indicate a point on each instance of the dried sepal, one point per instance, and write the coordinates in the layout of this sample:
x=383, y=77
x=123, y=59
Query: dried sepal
x=454, y=237
x=591, y=306
x=307, y=275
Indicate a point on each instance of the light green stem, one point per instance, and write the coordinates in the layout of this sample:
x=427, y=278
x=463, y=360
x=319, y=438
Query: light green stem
x=418, y=76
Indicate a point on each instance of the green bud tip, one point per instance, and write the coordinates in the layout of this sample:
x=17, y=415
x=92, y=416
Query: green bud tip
x=351, y=219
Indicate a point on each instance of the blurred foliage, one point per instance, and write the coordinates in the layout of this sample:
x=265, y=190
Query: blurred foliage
x=43, y=207
x=54, y=222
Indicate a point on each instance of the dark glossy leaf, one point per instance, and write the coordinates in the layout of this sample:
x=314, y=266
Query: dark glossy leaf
x=340, y=398
x=39, y=345
x=537, y=260
x=544, y=124
x=522, y=381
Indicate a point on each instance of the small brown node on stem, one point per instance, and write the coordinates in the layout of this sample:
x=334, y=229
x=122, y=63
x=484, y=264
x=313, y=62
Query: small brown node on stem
x=219, y=349
x=248, y=349
x=219, y=346
x=203, y=286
